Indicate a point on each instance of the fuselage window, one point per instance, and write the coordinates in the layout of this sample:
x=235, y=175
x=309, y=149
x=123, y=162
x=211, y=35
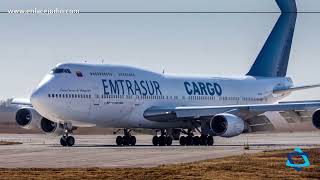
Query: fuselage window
x=59, y=95
x=49, y=95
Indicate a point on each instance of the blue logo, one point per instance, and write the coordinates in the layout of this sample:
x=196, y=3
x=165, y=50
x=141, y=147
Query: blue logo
x=298, y=152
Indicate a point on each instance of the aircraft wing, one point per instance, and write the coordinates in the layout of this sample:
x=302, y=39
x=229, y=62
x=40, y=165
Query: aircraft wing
x=165, y=114
x=24, y=102
x=15, y=102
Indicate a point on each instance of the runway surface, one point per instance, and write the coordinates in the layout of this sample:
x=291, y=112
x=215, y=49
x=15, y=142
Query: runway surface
x=42, y=151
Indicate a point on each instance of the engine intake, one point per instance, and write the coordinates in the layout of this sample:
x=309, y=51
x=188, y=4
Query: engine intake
x=316, y=119
x=28, y=118
x=23, y=117
x=50, y=127
x=227, y=125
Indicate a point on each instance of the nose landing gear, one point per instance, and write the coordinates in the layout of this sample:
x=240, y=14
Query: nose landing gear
x=66, y=139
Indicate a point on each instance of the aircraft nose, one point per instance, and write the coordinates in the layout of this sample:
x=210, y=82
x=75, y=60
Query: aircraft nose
x=38, y=97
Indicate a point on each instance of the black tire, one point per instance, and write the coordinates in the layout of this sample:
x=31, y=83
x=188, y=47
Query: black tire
x=196, y=140
x=63, y=141
x=132, y=140
x=125, y=140
x=210, y=141
x=189, y=140
x=119, y=141
x=168, y=141
x=162, y=141
x=155, y=140
x=70, y=140
x=203, y=140
x=183, y=141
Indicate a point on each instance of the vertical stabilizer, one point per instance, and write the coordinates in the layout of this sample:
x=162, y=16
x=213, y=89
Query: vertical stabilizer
x=273, y=58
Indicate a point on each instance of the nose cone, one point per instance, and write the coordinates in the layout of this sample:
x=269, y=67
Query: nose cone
x=39, y=96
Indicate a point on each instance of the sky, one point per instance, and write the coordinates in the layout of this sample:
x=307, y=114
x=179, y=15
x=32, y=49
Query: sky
x=184, y=44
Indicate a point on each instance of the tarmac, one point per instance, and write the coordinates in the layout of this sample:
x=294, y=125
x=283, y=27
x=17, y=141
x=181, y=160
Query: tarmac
x=43, y=151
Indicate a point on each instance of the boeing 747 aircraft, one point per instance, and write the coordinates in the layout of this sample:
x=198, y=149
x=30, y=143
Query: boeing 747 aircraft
x=74, y=95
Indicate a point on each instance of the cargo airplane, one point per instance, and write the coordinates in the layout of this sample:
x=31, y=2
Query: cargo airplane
x=75, y=95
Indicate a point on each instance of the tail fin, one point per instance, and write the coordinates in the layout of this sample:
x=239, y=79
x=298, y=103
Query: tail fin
x=273, y=59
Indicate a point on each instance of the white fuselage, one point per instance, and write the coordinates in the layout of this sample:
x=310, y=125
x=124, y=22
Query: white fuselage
x=117, y=96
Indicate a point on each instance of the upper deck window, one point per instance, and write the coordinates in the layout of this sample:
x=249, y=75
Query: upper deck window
x=60, y=70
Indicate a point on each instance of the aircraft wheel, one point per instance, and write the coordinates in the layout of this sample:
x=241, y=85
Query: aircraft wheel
x=125, y=140
x=162, y=141
x=119, y=140
x=189, y=140
x=168, y=141
x=155, y=140
x=63, y=141
x=203, y=140
x=70, y=140
x=183, y=141
x=132, y=140
x=196, y=140
x=210, y=141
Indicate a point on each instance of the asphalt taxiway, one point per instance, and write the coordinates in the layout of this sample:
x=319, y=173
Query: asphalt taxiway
x=42, y=151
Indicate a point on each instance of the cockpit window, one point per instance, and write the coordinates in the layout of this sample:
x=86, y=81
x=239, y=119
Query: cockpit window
x=60, y=70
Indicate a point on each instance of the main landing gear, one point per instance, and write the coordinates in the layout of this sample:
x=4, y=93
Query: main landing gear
x=127, y=139
x=66, y=139
x=163, y=140
x=191, y=140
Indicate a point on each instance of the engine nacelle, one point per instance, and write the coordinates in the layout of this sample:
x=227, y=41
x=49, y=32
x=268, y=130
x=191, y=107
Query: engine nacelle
x=28, y=118
x=316, y=119
x=51, y=128
x=227, y=125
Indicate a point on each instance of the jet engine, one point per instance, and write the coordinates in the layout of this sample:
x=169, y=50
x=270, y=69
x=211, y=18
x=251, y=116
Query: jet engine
x=28, y=118
x=316, y=119
x=50, y=127
x=227, y=125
